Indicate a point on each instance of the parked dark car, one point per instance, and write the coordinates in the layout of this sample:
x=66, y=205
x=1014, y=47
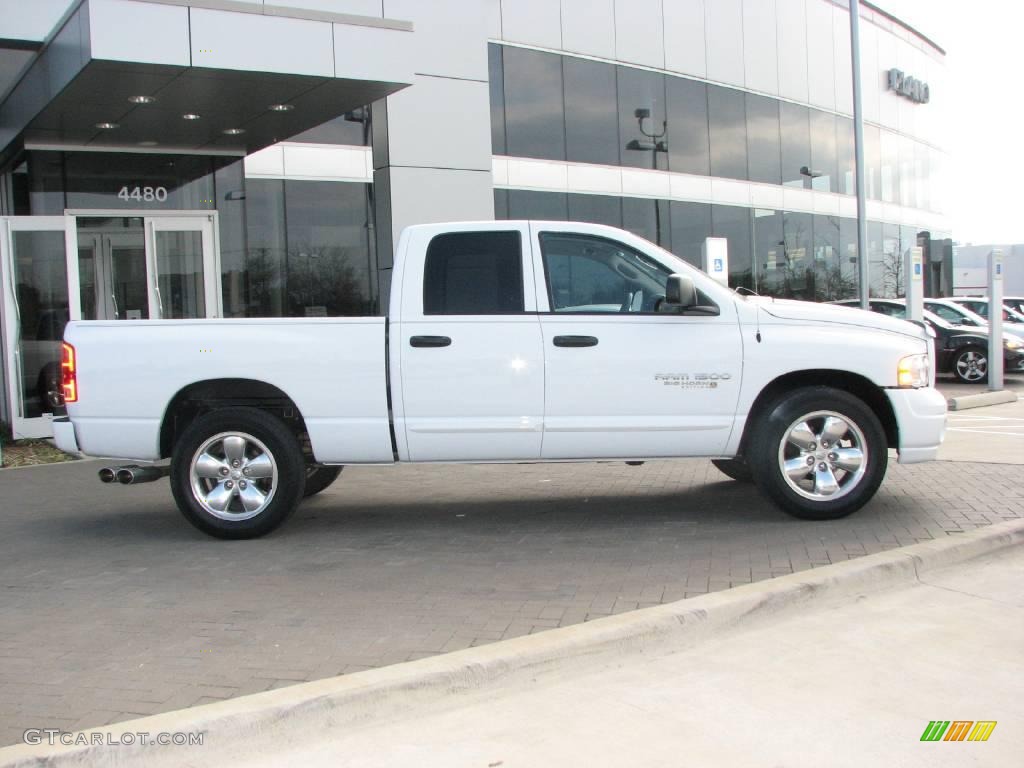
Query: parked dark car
x=959, y=350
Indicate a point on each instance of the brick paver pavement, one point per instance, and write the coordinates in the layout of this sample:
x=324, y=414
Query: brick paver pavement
x=113, y=607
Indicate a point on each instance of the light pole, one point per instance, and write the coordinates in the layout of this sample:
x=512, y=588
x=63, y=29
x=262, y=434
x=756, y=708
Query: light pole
x=653, y=143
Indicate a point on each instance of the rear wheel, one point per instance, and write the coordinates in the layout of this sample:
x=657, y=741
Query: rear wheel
x=971, y=365
x=319, y=477
x=737, y=469
x=237, y=473
x=819, y=453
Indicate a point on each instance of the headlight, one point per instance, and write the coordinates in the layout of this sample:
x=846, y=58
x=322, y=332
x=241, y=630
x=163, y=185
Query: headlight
x=913, y=372
x=1013, y=344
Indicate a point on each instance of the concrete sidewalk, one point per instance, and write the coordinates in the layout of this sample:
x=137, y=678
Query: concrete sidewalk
x=854, y=684
x=843, y=666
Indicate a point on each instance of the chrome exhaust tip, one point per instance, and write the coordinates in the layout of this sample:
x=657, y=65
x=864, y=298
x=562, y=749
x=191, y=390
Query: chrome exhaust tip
x=107, y=475
x=126, y=475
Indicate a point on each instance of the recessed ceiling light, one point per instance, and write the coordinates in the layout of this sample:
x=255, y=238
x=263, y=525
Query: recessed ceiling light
x=282, y=107
x=191, y=116
x=107, y=126
x=234, y=131
x=141, y=99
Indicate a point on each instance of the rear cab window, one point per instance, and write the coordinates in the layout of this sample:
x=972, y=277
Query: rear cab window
x=474, y=273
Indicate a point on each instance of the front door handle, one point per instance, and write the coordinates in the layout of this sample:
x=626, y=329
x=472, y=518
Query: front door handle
x=429, y=341
x=575, y=341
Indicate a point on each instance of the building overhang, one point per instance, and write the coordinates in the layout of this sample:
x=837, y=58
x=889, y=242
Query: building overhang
x=171, y=76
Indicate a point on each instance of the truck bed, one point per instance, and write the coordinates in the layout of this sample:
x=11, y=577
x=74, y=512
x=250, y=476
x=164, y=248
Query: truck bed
x=333, y=369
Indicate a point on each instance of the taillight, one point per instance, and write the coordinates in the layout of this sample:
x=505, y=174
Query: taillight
x=68, y=373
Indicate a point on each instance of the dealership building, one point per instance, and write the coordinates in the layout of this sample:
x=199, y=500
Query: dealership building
x=241, y=158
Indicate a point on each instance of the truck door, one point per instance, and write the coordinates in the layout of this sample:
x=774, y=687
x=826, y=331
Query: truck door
x=623, y=380
x=468, y=346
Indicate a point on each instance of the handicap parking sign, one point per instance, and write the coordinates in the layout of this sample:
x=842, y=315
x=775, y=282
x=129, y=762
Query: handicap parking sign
x=718, y=265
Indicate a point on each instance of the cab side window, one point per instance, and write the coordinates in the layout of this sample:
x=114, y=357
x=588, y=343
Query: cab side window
x=473, y=273
x=587, y=274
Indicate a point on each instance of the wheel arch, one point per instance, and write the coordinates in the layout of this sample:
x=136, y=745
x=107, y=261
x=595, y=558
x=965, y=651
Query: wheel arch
x=852, y=383
x=208, y=395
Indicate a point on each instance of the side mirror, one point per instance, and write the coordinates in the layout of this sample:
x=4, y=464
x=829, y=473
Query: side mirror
x=680, y=292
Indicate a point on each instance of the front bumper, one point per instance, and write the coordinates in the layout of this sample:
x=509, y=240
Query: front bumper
x=64, y=435
x=921, y=419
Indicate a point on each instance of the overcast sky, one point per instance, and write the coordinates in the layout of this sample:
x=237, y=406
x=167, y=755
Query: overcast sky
x=984, y=58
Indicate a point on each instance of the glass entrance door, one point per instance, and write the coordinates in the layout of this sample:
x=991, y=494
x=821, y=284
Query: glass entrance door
x=147, y=267
x=37, y=304
x=108, y=265
x=184, y=266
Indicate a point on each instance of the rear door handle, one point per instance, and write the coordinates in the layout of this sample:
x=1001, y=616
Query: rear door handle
x=429, y=341
x=575, y=341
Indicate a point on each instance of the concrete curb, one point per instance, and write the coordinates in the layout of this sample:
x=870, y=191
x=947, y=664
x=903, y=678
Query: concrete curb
x=963, y=402
x=259, y=724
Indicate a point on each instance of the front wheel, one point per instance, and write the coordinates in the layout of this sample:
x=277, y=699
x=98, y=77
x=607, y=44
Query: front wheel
x=237, y=473
x=971, y=365
x=819, y=453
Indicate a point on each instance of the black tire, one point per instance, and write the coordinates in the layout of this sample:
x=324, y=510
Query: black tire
x=319, y=477
x=261, y=433
x=970, y=365
x=736, y=469
x=812, y=406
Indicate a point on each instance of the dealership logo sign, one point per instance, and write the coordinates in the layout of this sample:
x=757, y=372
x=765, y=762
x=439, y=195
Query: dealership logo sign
x=909, y=87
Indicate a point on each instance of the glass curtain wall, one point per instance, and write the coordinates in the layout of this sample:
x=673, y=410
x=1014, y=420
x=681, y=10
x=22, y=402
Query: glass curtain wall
x=561, y=107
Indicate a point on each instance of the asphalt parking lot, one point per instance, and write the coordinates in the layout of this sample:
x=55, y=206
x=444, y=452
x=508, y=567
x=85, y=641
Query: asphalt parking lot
x=114, y=607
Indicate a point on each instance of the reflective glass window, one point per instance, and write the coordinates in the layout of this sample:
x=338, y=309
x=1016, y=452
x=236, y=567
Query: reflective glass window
x=688, y=143
x=833, y=277
x=795, y=132
x=328, y=257
x=763, y=143
x=473, y=273
x=908, y=185
x=642, y=118
x=848, y=255
x=892, y=262
x=596, y=209
x=691, y=225
x=648, y=219
x=922, y=176
x=876, y=259
x=823, y=151
x=733, y=223
x=496, y=77
x=229, y=184
x=846, y=160
x=501, y=203
x=872, y=163
x=769, y=263
x=265, y=254
x=546, y=206
x=797, y=258
x=728, y=132
x=591, y=122
x=890, y=166
x=534, y=117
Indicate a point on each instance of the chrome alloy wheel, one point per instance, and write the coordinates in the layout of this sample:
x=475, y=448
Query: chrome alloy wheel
x=823, y=456
x=971, y=366
x=233, y=476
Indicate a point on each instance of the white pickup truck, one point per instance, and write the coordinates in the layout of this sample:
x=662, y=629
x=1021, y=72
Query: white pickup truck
x=511, y=341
